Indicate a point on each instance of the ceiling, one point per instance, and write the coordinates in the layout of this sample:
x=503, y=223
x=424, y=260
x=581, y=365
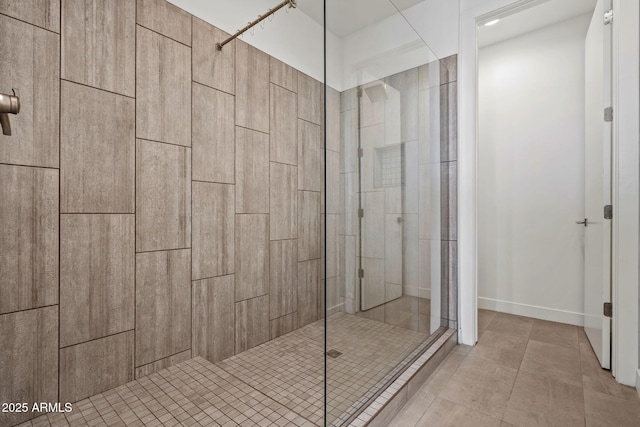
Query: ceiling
x=345, y=17
x=541, y=15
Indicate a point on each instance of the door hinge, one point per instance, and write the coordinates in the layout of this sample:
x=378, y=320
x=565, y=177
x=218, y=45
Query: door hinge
x=360, y=152
x=361, y=273
x=608, y=17
x=360, y=213
x=608, y=309
x=608, y=212
x=608, y=114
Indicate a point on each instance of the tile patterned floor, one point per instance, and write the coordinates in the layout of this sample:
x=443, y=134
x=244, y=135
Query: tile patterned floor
x=523, y=372
x=280, y=383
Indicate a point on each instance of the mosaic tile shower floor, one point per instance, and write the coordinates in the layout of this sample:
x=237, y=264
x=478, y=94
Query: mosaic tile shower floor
x=279, y=383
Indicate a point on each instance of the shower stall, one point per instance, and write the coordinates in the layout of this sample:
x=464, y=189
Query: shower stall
x=197, y=232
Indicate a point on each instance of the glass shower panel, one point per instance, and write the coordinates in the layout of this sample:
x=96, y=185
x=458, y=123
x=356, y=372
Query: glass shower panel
x=383, y=270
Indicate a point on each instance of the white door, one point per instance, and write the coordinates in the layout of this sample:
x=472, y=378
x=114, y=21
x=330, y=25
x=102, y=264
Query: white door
x=597, y=286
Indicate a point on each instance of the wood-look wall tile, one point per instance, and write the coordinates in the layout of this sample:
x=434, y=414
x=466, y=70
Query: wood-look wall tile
x=429, y=125
x=213, y=135
x=213, y=229
x=163, y=88
x=252, y=87
x=98, y=44
x=97, y=276
x=448, y=122
x=28, y=237
x=332, y=242
x=95, y=366
x=284, y=325
x=310, y=175
x=283, y=201
x=213, y=67
x=163, y=196
x=308, y=282
x=430, y=210
x=161, y=364
x=166, y=19
x=42, y=13
x=401, y=107
x=30, y=64
x=283, y=278
x=283, y=126
x=349, y=141
x=371, y=110
x=252, y=171
x=163, y=304
x=213, y=318
x=449, y=201
x=310, y=99
x=393, y=254
x=348, y=266
x=335, y=300
x=97, y=151
x=449, y=69
x=252, y=323
x=28, y=360
x=349, y=202
x=309, y=205
x=332, y=196
x=373, y=225
x=252, y=256
x=283, y=75
x=429, y=75
x=333, y=119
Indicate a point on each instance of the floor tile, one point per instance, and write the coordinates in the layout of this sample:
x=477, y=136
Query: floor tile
x=604, y=410
x=481, y=384
x=553, y=361
x=540, y=401
x=502, y=348
x=510, y=324
x=444, y=413
x=555, y=333
x=484, y=318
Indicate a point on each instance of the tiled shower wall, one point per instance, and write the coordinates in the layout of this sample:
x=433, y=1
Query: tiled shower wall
x=159, y=200
x=409, y=231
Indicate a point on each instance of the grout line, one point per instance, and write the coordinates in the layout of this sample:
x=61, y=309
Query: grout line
x=36, y=167
x=160, y=34
x=29, y=309
x=206, y=85
x=163, y=142
x=59, y=34
x=88, y=86
x=97, y=338
x=254, y=130
x=135, y=195
x=162, y=250
x=191, y=282
x=59, y=197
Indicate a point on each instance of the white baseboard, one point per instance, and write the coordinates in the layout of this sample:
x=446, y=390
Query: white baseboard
x=537, y=312
x=638, y=381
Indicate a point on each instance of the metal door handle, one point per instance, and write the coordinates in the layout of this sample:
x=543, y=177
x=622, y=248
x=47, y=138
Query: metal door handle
x=583, y=222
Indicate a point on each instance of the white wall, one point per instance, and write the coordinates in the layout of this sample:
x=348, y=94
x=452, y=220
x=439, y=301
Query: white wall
x=531, y=173
x=292, y=37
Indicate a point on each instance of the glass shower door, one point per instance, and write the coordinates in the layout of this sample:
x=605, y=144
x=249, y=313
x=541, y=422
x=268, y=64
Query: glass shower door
x=380, y=194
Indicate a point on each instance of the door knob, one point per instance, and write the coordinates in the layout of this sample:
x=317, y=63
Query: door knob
x=583, y=222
